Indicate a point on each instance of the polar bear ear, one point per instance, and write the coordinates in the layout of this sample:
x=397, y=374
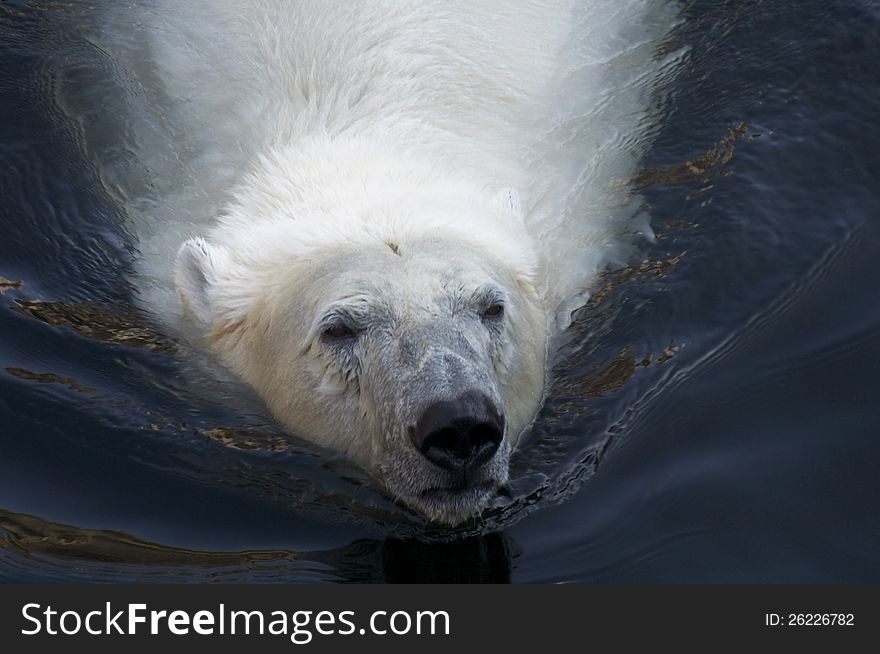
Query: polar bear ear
x=194, y=273
x=509, y=201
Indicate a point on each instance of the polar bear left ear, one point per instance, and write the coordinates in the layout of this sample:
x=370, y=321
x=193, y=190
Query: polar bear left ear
x=509, y=201
x=194, y=274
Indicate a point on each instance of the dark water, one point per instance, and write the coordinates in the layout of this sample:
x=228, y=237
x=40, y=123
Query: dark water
x=714, y=415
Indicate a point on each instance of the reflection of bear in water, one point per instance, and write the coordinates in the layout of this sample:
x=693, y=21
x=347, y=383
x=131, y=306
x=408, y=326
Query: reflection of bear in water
x=375, y=275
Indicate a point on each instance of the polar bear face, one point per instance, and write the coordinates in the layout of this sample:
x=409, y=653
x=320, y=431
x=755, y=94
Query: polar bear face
x=381, y=312
x=425, y=370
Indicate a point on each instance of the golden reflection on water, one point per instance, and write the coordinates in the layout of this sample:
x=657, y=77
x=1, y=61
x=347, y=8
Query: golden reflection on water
x=128, y=328
x=30, y=536
x=7, y=284
x=50, y=378
x=705, y=166
x=29, y=540
x=240, y=439
x=609, y=280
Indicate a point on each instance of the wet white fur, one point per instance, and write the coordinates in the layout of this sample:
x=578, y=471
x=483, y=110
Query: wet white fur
x=302, y=132
x=548, y=97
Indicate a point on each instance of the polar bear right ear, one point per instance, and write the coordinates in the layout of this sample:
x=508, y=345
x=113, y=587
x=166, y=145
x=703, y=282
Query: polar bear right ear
x=194, y=274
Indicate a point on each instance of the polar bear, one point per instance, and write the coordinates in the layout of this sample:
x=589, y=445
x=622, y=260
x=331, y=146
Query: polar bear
x=390, y=258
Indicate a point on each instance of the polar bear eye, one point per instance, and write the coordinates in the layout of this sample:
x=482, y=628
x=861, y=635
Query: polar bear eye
x=338, y=331
x=494, y=310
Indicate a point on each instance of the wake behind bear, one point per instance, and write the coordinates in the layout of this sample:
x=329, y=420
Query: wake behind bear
x=382, y=271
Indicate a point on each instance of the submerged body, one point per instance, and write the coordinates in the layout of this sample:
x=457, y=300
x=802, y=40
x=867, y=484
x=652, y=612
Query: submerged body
x=393, y=247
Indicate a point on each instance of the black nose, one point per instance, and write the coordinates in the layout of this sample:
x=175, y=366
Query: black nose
x=464, y=432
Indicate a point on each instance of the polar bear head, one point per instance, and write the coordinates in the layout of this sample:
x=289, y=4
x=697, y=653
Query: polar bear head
x=398, y=323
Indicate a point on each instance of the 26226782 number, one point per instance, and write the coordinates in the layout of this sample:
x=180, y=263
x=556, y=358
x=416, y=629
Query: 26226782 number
x=809, y=619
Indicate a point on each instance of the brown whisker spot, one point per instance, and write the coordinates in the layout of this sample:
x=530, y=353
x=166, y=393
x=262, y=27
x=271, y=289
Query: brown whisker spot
x=224, y=329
